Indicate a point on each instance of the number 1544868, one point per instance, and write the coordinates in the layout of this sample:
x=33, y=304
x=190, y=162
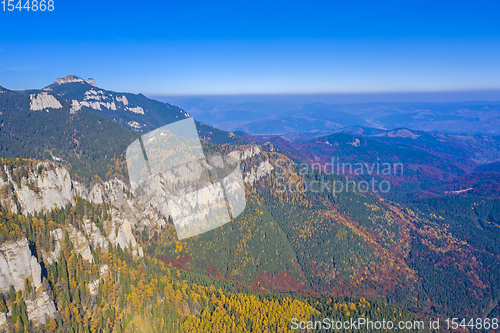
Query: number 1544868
x=27, y=5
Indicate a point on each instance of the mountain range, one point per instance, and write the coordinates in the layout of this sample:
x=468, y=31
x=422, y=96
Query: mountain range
x=433, y=163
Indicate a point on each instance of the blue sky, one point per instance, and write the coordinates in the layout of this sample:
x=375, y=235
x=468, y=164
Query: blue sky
x=254, y=47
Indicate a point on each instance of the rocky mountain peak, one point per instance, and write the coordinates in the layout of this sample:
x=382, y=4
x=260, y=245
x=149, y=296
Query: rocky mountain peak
x=73, y=78
x=69, y=79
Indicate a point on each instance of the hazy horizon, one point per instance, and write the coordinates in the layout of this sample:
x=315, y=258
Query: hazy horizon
x=347, y=98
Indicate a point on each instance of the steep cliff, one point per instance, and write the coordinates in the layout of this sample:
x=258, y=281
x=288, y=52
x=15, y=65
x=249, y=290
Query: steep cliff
x=46, y=185
x=44, y=191
x=18, y=265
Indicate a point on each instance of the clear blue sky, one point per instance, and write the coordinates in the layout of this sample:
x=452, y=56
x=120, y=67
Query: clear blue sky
x=235, y=47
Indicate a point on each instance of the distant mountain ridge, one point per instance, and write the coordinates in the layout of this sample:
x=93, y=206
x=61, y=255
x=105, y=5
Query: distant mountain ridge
x=434, y=163
x=279, y=115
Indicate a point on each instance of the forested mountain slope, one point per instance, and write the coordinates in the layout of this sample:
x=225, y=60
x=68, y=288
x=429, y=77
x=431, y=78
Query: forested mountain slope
x=45, y=125
x=351, y=243
x=103, y=260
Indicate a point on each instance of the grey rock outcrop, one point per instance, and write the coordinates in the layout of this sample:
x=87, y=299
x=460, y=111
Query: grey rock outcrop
x=43, y=101
x=53, y=256
x=119, y=232
x=41, y=309
x=94, y=235
x=69, y=79
x=53, y=187
x=253, y=173
x=75, y=107
x=80, y=243
x=3, y=320
x=17, y=264
x=263, y=169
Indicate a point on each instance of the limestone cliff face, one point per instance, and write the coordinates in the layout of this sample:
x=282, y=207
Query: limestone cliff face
x=46, y=186
x=53, y=186
x=3, y=321
x=75, y=107
x=17, y=264
x=151, y=199
x=50, y=189
x=80, y=243
x=44, y=101
x=96, y=239
x=41, y=309
x=245, y=153
x=91, y=82
x=111, y=192
x=39, y=192
x=263, y=169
